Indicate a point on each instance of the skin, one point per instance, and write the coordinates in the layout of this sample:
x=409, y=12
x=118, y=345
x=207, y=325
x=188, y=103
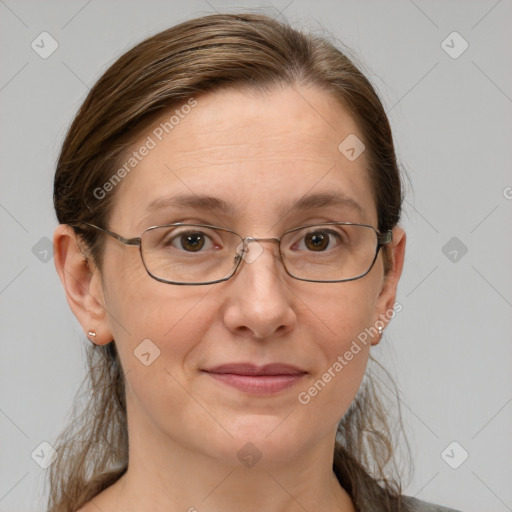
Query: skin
x=258, y=151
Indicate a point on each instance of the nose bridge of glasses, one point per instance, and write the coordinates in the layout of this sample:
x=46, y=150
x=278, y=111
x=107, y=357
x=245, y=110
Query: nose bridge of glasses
x=248, y=239
x=250, y=256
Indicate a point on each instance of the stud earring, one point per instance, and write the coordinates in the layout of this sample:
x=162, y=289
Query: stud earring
x=91, y=334
x=380, y=330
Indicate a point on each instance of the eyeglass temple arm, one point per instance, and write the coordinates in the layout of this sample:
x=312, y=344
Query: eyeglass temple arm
x=122, y=239
x=385, y=238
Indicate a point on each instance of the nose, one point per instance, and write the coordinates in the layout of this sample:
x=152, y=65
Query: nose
x=260, y=303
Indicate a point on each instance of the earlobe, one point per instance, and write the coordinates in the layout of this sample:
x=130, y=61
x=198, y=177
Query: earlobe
x=386, y=302
x=81, y=280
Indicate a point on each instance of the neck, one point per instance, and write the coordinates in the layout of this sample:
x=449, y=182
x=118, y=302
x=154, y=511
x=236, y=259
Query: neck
x=167, y=476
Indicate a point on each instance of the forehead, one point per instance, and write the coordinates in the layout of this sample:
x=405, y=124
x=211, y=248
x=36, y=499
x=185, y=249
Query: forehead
x=257, y=152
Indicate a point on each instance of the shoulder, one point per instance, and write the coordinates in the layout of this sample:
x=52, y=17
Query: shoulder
x=424, y=506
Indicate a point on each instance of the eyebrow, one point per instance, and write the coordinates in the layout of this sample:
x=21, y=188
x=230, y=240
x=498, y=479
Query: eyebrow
x=217, y=205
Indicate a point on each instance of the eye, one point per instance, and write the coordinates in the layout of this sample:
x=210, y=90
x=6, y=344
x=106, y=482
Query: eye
x=320, y=240
x=190, y=241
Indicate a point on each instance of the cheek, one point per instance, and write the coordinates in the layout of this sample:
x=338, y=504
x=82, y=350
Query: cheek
x=346, y=314
x=173, y=319
x=158, y=328
x=344, y=340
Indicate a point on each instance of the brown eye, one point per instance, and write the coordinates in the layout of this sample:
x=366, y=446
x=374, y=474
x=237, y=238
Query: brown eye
x=192, y=241
x=319, y=241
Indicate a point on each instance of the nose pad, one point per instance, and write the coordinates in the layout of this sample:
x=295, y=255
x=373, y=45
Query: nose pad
x=249, y=255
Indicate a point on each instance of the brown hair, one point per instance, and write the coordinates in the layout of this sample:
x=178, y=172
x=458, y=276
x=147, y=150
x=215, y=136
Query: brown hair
x=160, y=73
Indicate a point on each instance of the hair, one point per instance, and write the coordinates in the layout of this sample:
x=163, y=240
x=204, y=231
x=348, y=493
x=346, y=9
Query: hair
x=164, y=71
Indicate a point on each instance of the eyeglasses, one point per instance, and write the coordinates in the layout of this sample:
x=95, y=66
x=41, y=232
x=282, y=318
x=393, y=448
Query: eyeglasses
x=199, y=254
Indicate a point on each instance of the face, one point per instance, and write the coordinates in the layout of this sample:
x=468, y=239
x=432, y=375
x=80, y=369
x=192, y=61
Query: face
x=259, y=153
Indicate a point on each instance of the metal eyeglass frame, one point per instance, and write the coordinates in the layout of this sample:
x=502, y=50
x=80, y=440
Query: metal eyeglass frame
x=382, y=239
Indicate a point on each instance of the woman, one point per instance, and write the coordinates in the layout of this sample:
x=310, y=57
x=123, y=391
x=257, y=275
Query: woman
x=229, y=198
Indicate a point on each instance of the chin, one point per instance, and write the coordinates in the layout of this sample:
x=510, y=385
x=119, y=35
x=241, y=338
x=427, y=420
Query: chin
x=266, y=438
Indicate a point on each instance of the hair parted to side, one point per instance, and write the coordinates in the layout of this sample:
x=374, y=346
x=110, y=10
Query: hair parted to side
x=164, y=71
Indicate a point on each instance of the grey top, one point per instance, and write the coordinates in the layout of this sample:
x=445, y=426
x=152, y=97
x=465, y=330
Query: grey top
x=424, y=506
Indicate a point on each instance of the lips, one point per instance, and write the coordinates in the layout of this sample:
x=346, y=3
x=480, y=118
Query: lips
x=250, y=369
x=267, y=379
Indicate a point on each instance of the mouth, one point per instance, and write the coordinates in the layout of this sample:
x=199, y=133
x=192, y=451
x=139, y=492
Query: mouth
x=249, y=378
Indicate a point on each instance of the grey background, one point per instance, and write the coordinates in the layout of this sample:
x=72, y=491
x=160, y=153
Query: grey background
x=449, y=349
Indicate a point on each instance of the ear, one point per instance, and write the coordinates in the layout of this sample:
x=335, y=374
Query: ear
x=82, y=284
x=385, y=306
